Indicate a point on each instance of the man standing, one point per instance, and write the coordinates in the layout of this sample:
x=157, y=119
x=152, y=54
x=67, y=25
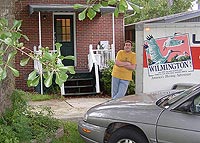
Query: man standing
x=125, y=63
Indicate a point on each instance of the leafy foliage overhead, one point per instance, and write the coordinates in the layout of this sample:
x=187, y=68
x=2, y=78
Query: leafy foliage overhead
x=10, y=45
x=158, y=8
x=94, y=6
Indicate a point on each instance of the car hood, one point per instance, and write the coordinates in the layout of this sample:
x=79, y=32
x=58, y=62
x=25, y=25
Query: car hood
x=132, y=108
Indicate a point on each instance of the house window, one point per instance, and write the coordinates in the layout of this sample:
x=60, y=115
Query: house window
x=63, y=30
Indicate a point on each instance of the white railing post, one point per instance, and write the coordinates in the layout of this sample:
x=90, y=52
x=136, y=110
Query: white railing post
x=62, y=88
x=91, y=61
x=99, y=58
x=97, y=78
x=38, y=67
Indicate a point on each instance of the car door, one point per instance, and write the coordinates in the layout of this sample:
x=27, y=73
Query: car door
x=182, y=124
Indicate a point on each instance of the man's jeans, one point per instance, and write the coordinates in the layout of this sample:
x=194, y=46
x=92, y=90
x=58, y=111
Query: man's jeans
x=119, y=87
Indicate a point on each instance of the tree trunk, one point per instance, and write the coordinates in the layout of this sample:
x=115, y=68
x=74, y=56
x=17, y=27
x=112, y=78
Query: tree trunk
x=8, y=85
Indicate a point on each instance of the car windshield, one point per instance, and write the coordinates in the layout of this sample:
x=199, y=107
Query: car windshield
x=168, y=100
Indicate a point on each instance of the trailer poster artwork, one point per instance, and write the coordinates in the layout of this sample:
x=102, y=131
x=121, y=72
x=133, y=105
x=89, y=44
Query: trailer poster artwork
x=168, y=56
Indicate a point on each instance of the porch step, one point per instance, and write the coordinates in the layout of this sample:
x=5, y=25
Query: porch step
x=80, y=83
x=75, y=94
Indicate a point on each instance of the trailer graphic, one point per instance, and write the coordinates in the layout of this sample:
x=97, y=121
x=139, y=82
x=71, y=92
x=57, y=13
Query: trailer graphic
x=168, y=56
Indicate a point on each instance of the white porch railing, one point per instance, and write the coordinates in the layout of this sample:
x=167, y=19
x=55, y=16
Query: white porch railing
x=102, y=56
x=99, y=58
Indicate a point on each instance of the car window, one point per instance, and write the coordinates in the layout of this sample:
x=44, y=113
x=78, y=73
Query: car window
x=192, y=105
x=164, y=102
x=170, y=99
x=197, y=104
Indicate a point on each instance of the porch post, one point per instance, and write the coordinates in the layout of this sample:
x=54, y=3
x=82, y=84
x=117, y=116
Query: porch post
x=113, y=25
x=113, y=45
x=40, y=45
x=40, y=32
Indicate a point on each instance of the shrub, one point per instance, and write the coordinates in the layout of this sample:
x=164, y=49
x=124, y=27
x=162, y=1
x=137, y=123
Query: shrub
x=106, y=78
x=21, y=124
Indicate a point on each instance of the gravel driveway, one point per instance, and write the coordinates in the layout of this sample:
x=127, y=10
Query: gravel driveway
x=70, y=108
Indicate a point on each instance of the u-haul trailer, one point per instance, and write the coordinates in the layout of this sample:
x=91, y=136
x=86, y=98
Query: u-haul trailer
x=167, y=53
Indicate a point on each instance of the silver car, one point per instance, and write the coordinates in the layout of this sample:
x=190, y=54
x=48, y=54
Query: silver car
x=151, y=118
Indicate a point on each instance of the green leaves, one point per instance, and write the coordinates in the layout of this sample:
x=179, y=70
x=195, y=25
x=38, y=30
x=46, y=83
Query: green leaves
x=112, y=2
x=48, y=79
x=14, y=71
x=150, y=9
x=9, y=44
x=121, y=6
x=68, y=68
x=81, y=16
x=11, y=56
x=3, y=74
x=24, y=61
x=97, y=7
x=51, y=61
x=91, y=13
x=77, y=6
x=104, y=3
x=16, y=25
x=3, y=23
x=135, y=7
x=51, y=67
x=33, y=79
x=61, y=77
x=116, y=12
x=8, y=41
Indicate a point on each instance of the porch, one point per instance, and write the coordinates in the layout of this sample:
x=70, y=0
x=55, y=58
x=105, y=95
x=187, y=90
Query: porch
x=85, y=82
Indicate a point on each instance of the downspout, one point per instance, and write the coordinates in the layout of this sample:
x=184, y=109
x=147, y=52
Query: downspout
x=113, y=45
x=40, y=32
x=40, y=45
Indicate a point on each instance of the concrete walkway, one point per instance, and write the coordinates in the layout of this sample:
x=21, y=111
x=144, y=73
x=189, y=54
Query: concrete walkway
x=70, y=108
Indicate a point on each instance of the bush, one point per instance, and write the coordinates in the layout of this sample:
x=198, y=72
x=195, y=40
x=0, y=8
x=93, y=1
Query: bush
x=106, y=79
x=21, y=124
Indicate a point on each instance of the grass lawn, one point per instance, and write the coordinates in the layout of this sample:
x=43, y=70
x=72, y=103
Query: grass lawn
x=71, y=134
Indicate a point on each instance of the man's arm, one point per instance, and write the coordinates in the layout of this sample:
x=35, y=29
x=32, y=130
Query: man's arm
x=131, y=67
x=122, y=64
x=126, y=65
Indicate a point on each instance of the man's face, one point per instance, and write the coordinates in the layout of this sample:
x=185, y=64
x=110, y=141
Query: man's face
x=127, y=47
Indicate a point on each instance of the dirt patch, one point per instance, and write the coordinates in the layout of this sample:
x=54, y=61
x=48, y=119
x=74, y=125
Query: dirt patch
x=70, y=108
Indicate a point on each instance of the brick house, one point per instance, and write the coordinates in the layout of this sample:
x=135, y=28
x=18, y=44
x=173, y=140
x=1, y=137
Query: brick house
x=43, y=21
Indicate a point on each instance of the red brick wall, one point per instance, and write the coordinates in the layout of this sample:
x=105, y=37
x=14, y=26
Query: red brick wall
x=87, y=32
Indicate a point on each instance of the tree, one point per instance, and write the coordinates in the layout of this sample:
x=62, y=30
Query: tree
x=6, y=86
x=158, y=8
x=10, y=45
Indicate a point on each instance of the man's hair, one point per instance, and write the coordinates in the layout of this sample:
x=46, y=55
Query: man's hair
x=129, y=41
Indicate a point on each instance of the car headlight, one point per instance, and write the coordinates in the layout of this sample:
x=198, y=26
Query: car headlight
x=85, y=117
